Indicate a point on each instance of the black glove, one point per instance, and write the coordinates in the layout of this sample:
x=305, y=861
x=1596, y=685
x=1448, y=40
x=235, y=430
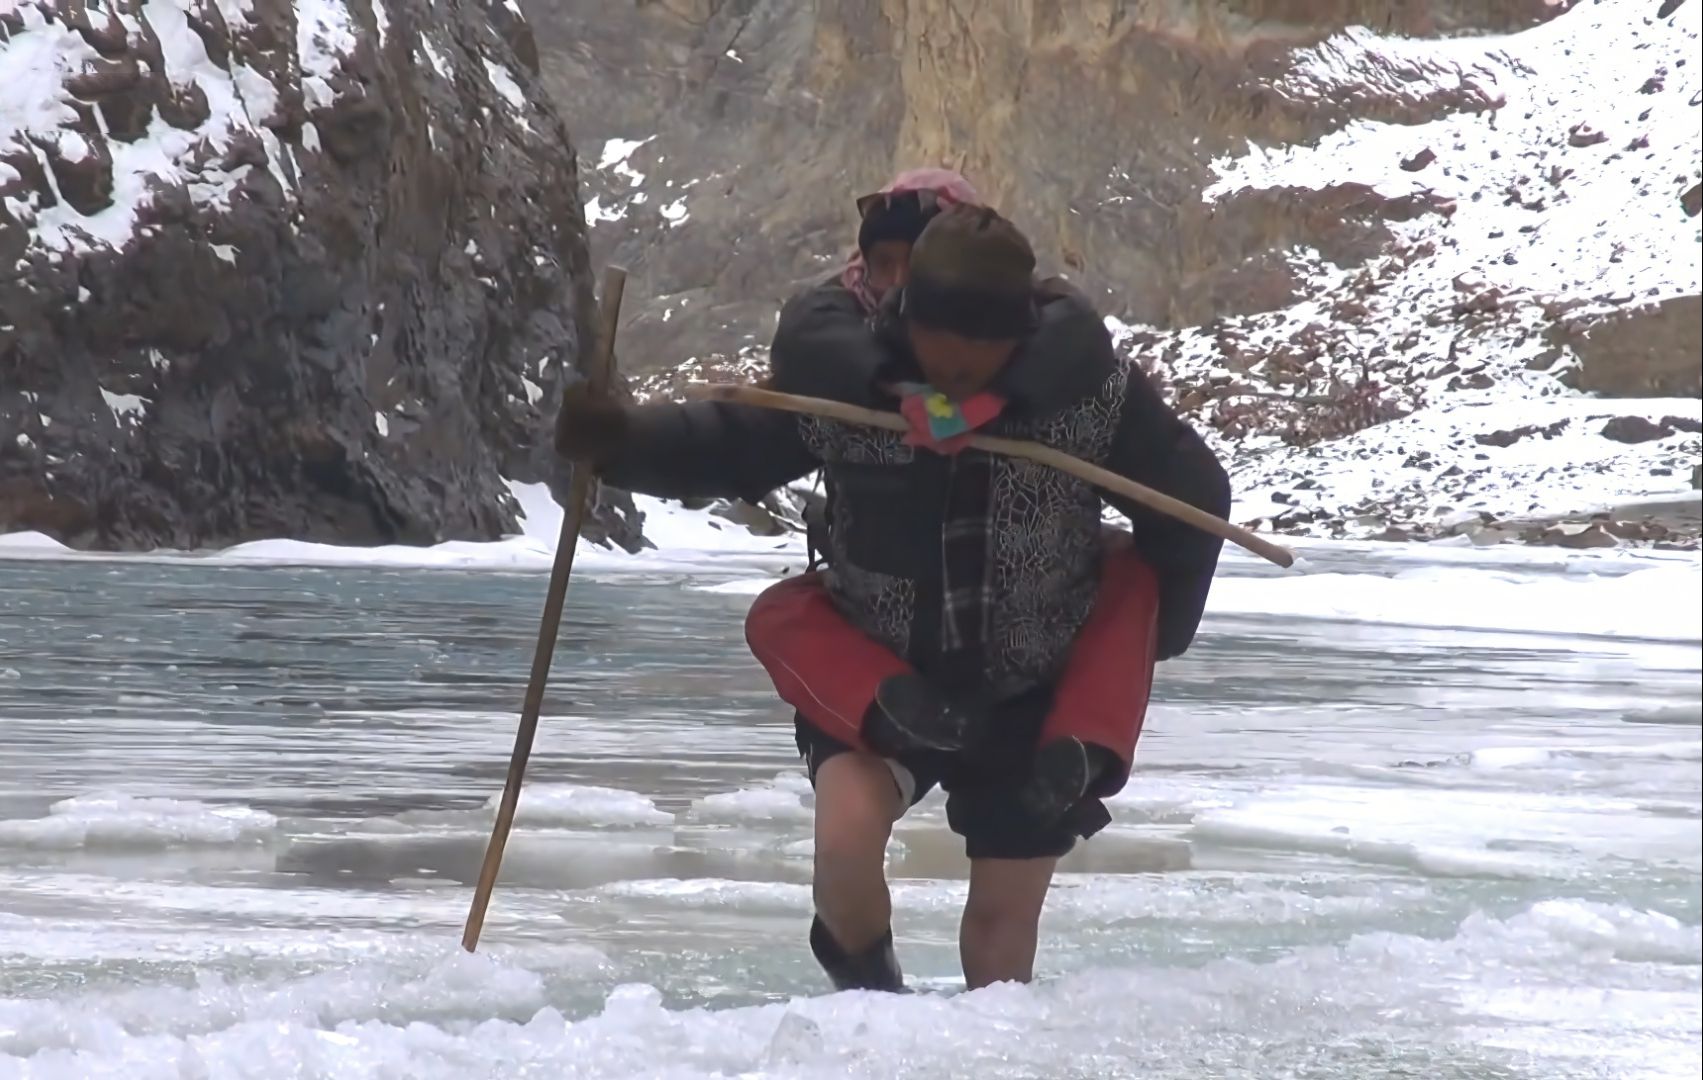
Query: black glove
x=909, y=714
x=590, y=426
x=1065, y=771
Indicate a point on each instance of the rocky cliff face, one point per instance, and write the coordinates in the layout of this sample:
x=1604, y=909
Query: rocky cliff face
x=1363, y=244
x=736, y=132
x=302, y=269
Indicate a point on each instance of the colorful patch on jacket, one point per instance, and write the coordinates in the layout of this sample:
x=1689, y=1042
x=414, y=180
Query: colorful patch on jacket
x=938, y=422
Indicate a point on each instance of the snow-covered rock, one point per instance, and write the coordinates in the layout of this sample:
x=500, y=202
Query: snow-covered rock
x=1474, y=362
x=274, y=268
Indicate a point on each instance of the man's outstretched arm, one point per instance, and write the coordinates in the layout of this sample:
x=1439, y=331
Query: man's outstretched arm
x=703, y=449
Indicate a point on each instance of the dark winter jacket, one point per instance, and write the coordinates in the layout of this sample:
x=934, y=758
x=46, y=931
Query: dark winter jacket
x=890, y=504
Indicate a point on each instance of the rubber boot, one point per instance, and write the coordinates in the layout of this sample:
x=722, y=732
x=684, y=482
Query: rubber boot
x=909, y=714
x=875, y=968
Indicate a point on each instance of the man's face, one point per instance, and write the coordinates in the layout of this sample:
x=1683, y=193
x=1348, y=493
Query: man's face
x=958, y=367
x=887, y=265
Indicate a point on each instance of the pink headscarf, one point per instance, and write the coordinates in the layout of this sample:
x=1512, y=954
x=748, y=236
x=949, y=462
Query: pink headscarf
x=949, y=188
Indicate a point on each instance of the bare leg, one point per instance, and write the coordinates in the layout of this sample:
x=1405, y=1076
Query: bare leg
x=857, y=802
x=997, y=938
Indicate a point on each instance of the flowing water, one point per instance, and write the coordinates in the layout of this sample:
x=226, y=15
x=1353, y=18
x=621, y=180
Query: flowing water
x=241, y=810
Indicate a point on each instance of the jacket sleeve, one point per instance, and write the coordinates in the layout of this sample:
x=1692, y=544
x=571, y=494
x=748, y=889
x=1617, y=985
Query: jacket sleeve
x=1156, y=448
x=707, y=449
x=823, y=347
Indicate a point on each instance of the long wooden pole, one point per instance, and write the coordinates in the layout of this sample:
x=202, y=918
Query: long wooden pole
x=601, y=374
x=1046, y=455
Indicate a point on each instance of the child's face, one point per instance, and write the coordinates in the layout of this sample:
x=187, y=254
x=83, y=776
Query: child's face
x=887, y=264
x=957, y=366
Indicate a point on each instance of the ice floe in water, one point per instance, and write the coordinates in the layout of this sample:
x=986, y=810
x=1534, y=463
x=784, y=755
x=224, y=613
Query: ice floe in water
x=577, y=804
x=782, y=800
x=124, y=821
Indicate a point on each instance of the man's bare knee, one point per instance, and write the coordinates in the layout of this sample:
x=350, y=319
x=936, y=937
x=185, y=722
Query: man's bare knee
x=857, y=802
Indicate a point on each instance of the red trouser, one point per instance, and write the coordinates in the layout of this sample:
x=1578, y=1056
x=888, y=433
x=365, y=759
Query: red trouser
x=829, y=670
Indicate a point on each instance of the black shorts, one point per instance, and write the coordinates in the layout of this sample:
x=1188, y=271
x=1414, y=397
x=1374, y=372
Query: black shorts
x=980, y=790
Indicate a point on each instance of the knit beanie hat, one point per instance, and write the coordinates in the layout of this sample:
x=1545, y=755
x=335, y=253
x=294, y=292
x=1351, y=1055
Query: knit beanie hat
x=972, y=273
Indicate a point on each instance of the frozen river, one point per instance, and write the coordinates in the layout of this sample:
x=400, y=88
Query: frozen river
x=241, y=809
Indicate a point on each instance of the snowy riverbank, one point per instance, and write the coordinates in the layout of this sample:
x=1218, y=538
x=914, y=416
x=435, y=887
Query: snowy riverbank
x=1444, y=584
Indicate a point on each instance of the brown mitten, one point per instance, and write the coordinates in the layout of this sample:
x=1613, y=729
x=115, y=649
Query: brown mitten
x=590, y=426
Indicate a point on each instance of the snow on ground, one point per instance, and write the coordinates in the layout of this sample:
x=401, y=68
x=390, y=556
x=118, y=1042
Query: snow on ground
x=1512, y=458
x=686, y=541
x=1566, y=199
x=1657, y=603
x=614, y=189
x=439, y=64
x=37, y=117
x=614, y=163
x=681, y=537
x=747, y=365
x=1609, y=223
x=427, y=1012
x=324, y=34
x=453, y=1015
x=27, y=544
x=503, y=80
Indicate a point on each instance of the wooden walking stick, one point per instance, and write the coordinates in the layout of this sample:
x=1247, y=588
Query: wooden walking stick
x=601, y=374
x=1046, y=455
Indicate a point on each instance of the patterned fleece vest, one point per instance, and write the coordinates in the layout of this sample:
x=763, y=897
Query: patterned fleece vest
x=1043, y=537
